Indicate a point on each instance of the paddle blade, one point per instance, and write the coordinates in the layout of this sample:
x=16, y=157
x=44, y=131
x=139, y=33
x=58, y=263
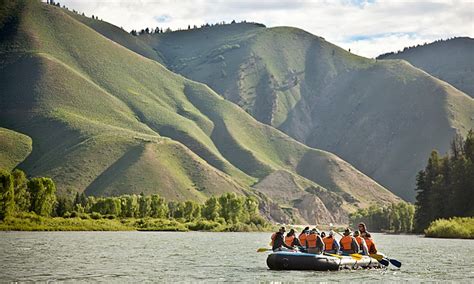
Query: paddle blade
x=377, y=256
x=384, y=262
x=356, y=256
x=262, y=249
x=395, y=263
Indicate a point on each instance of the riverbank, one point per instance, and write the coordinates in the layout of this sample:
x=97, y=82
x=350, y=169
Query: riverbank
x=457, y=227
x=86, y=222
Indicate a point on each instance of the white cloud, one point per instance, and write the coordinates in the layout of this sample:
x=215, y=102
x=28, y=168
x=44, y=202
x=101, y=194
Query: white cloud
x=367, y=27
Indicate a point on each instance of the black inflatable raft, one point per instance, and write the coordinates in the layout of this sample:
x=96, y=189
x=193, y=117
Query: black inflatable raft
x=305, y=261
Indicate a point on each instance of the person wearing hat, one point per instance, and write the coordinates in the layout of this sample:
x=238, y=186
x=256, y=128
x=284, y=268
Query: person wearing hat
x=302, y=237
x=348, y=243
x=278, y=242
x=314, y=243
x=361, y=242
x=330, y=243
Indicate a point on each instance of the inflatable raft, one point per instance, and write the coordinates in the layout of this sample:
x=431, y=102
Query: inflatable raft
x=283, y=260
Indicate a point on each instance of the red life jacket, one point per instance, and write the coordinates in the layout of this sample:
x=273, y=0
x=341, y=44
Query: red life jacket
x=302, y=239
x=346, y=243
x=289, y=240
x=311, y=240
x=371, y=245
x=328, y=243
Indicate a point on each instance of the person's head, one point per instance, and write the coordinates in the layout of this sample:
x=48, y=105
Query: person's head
x=367, y=236
x=291, y=233
x=323, y=234
x=362, y=227
x=306, y=229
x=356, y=234
x=331, y=233
x=282, y=230
x=347, y=232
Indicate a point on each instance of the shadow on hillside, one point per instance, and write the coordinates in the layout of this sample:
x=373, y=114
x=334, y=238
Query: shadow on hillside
x=115, y=171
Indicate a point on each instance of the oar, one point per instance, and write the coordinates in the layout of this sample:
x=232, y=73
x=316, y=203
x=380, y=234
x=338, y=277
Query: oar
x=263, y=249
x=395, y=262
x=333, y=255
x=381, y=257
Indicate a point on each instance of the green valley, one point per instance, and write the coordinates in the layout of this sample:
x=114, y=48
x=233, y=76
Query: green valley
x=106, y=120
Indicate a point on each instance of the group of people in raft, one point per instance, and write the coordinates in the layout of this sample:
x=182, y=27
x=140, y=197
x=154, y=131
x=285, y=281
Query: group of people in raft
x=312, y=241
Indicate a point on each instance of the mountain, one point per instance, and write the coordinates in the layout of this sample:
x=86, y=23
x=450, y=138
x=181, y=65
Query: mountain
x=449, y=60
x=382, y=116
x=106, y=120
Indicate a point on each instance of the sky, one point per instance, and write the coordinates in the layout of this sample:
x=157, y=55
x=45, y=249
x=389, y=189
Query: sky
x=367, y=27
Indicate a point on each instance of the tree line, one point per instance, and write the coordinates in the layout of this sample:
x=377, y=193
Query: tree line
x=445, y=188
x=159, y=30
x=397, y=218
x=20, y=194
x=38, y=195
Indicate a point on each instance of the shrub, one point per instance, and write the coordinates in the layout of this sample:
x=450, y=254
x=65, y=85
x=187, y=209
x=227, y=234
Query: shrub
x=456, y=227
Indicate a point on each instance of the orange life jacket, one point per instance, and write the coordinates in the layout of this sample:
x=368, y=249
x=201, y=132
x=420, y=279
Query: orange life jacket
x=273, y=238
x=359, y=240
x=346, y=243
x=311, y=240
x=289, y=240
x=302, y=239
x=328, y=243
x=370, y=245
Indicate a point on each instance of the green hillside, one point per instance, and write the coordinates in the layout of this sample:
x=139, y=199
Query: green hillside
x=450, y=60
x=384, y=117
x=14, y=148
x=108, y=121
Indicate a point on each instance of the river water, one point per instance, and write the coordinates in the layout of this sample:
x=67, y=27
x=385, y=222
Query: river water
x=200, y=256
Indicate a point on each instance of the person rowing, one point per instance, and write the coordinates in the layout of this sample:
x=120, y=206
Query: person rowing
x=314, y=243
x=330, y=243
x=291, y=240
x=361, y=242
x=278, y=242
x=348, y=243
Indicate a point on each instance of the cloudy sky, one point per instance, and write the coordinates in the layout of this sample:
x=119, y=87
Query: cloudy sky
x=367, y=27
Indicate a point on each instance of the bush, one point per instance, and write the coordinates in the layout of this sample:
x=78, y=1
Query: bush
x=203, y=225
x=456, y=227
x=96, y=216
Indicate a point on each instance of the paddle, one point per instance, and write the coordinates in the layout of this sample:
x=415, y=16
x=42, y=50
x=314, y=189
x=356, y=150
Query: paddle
x=381, y=257
x=263, y=249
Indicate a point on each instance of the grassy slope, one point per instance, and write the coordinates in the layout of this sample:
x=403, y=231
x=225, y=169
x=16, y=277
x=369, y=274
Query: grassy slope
x=14, y=148
x=108, y=121
x=384, y=117
x=120, y=36
x=451, y=61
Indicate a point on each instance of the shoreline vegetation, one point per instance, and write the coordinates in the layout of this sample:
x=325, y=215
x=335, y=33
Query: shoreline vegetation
x=456, y=228
x=33, y=205
x=86, y=222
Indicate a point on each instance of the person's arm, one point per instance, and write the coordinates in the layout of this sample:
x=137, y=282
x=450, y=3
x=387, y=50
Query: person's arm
x=355, y=246
x=336, y=246
x=364, y=248
x=321, y=243
x=296, y=242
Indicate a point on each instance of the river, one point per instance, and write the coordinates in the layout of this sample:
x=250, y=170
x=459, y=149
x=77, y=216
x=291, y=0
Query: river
x=201, y=256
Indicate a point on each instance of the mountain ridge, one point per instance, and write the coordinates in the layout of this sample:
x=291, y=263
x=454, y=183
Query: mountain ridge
x=106, y=120
x=364, y=110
